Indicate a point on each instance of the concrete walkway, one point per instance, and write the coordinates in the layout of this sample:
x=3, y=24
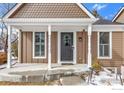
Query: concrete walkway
x=18, y=71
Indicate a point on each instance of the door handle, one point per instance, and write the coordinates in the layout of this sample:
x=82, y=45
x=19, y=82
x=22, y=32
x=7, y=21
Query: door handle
x=72, y=47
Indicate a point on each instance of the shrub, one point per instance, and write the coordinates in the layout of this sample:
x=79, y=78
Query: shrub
x=96, y=66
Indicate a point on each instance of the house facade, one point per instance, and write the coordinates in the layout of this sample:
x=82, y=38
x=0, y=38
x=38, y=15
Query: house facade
x=64, y=33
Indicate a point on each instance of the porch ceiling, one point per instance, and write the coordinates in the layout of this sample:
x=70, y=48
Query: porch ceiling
x=54, y=28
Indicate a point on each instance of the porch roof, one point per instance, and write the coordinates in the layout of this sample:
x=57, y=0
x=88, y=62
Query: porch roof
x=106, y=22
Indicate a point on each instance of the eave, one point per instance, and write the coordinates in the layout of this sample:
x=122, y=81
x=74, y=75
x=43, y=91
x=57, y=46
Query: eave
x=46, y=21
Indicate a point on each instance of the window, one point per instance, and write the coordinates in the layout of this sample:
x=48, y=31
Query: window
x=104, y=45
x=39, y=44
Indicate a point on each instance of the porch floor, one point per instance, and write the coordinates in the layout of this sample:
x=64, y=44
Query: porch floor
x=40, y=66
x=37, y=69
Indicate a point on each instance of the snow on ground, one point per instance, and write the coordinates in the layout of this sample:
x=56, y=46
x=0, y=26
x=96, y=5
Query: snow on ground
x=104, y=79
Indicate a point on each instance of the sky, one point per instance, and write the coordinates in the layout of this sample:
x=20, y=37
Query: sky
x=106, y=10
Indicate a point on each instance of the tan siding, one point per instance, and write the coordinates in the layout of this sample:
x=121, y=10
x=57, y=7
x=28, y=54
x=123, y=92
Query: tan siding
x=80, y=47
x=117, y=50
x=123, y=47
x=27, y=49
x=120, y=18
x=94, y=45
x=54, y=47
x=86, y=46
x=24, y=44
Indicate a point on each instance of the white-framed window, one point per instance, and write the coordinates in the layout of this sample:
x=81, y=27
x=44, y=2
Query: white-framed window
x=39, y=45
x=104, y=45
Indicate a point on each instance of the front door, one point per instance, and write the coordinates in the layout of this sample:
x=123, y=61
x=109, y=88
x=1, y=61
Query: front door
x=66, y=47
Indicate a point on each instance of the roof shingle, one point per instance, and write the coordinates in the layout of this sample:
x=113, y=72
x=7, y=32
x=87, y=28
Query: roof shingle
x=105, y=22
x=50, y=10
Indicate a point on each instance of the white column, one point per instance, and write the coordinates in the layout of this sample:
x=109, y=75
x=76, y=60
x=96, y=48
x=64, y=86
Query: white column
x=89, y=45
x=49, y=46
x=19, y=46
x=9, y=56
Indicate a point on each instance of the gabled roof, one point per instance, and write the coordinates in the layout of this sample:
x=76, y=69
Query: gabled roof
x=105, y=22
x=117, y=15
x=49, y=10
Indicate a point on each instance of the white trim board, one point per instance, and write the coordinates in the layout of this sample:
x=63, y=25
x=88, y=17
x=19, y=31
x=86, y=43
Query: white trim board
x=110, y=46
x=106, y=28
x=42, y=57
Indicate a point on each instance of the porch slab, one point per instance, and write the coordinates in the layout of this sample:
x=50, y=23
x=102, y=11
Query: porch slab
x=35, y=72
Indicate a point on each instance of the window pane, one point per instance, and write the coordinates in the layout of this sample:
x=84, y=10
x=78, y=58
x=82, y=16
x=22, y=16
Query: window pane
x=37, y=37
x=104, y=44
x=37, y=50
x=39, y=44
x=106, y=50
x=101, y=50
x=42, y=50
x=104, y=37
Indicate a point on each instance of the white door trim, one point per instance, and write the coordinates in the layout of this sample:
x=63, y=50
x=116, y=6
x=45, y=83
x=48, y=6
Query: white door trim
x=74, y=51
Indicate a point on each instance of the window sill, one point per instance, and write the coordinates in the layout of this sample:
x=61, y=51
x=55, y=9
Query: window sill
x=43, y=57
x=104, y=57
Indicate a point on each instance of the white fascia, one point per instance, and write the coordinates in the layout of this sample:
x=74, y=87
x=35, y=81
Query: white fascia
x=108, y=28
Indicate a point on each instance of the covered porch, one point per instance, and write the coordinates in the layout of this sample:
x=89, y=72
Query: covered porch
x=49, y=26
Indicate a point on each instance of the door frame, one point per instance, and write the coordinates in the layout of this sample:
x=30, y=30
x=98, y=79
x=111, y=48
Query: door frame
x=74, y=51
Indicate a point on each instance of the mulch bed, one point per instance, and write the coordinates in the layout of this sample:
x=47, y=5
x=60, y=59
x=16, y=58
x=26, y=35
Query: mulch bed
x=21, y=83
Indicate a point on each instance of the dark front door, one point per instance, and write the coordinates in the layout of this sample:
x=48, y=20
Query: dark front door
x=67, y=46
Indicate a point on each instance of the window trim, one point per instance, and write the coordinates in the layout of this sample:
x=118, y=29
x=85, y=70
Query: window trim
x=110, y=47
x=38, y=57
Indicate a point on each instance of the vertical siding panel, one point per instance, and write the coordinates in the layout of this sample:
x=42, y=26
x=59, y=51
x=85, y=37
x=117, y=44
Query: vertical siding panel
x=29, y=47
x=94, y=45
x=79, y=47
x=24, y=47
x=123, y=48
x=86, y=46
x=54, y=47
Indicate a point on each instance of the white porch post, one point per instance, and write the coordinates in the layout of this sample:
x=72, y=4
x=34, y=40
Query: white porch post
x=49, y=46
x=9, y=56
x=19, y=46
x=89, y=45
